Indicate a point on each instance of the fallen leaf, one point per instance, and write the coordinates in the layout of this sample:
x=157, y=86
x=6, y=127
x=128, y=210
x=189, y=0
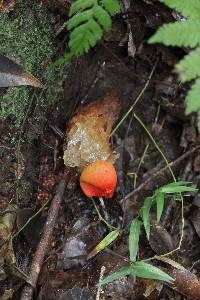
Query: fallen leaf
x=12, y=74
x=87, y=137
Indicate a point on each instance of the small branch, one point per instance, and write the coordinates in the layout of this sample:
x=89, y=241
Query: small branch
x=28, y=290
x=185, y=283
x=158, y=173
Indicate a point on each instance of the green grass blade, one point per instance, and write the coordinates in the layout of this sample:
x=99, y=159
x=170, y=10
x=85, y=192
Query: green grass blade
x=160, y=200
x=104, y=243
x=134, y=238
x=145, y=210
x=177, y=189
x=179, y=183
x=124, y=271
x=144, y=270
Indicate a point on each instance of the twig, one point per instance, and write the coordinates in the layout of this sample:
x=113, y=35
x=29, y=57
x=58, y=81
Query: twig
x=36, y=265
x=103, y=269
x=159, y=172
x=185, y=282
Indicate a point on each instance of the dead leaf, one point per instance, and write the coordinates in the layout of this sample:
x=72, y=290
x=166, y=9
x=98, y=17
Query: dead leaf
x=87, y=138
x=7, y=5
x=7, y=257
x=6, y=227
x=12, y=74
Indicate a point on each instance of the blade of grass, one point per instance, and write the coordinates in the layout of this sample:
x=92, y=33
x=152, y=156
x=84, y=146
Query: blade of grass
x=124, y=271
x=31, y=219
x=160, y=200
x=134, y=238
x=144, y=270
x=173, y=177
x=177, y=189
x=104, y=243
x=145, y=210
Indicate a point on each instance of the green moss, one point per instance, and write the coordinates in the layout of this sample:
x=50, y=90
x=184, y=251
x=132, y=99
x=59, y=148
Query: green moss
x=26, y=36
x=14, y=103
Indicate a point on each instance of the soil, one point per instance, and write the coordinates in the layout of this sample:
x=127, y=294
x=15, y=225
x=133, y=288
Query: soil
x=31, y=170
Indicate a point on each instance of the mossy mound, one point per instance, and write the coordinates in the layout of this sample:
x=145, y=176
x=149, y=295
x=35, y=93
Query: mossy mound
x=26, y=37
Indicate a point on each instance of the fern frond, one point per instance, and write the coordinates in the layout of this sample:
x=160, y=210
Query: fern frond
x=89, y=20
x=187, y=8
x=193, y=98
x=112, y=7
x=189, y=67
x=181, y=33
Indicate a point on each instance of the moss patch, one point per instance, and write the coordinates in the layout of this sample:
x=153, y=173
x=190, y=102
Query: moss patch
x=26, y=36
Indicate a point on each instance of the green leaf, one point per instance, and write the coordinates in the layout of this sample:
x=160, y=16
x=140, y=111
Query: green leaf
x=144, y=270
x=112, y=7
x=102, y=17
x=80, y=18
x=189, y=67
x=177, y=183
x=181, y=33
x=80, y=5
x=145, y=210
x=192, y=98
x=82, y=41
x=134, y=238
x=104, y=243
x=177, y=189
x=124, y=271
x=160, y=200
x=188, y=8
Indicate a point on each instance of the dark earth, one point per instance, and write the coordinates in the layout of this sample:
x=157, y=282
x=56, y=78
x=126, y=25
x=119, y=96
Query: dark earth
x=31, y=170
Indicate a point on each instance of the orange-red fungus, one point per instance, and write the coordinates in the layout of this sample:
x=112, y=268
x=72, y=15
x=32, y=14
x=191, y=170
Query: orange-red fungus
x=99, y=179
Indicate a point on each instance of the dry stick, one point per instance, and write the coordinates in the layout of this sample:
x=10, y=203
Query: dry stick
x=159, y=172
x=185, y=282
x=36, y=265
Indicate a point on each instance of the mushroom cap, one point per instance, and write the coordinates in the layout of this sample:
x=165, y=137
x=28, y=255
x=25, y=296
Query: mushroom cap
x=99, y=179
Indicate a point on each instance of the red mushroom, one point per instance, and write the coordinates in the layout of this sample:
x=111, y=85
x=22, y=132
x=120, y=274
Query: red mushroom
x=99, y=179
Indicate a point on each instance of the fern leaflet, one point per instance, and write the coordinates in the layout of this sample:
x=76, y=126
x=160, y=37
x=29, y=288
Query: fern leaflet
x=187, y=8
x=193, y=98
x=189, y=67
x=181, y=33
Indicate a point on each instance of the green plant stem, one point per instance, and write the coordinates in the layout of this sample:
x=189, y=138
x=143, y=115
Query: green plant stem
x=156, y=145
x=139, y=165
x=136, y=101
x=101, y=218
x=174, y=178
x=30, y=219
